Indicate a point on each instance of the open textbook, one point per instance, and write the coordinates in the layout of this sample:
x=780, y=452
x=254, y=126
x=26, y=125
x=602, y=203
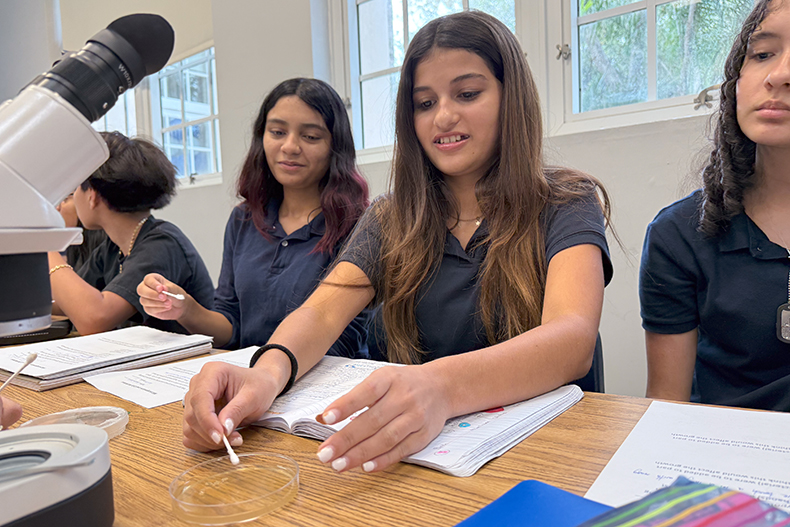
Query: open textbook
x=464, y=445
x=67, y=361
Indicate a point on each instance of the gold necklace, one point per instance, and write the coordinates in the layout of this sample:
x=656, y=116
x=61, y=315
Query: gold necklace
x=131, y=242
x=477, y=220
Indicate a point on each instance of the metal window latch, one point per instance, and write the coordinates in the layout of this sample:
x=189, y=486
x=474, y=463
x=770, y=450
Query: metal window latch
x=704, y=98
x=564, y=51
x=192, y=178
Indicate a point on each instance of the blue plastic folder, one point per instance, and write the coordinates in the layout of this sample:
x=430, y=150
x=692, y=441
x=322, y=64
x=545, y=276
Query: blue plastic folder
x=535, y=504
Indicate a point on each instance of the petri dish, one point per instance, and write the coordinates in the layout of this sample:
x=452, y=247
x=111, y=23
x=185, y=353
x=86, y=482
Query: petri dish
x=217, y=492
x=111, y=419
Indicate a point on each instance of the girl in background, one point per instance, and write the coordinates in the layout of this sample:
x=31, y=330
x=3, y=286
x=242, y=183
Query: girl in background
x=715, y=274
x=302, y=195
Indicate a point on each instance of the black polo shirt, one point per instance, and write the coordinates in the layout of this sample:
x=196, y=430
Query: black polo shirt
x=447, y=310
x=729, y=288
x=161, y=248
x=262, y=280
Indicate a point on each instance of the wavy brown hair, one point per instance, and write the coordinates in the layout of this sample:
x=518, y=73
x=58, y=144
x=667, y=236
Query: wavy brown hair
x=511, y=195
x=730, y=168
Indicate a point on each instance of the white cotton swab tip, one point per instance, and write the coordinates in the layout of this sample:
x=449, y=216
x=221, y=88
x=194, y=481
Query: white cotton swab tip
x=174, y=295
x=234, y=459
x=30, y=358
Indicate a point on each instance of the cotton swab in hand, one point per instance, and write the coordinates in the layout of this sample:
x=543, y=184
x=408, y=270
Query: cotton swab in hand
x=233, y=457
x=30, y=358
x=174, y=295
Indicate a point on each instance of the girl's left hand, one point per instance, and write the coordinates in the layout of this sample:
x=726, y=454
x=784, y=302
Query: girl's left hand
x=407, y=408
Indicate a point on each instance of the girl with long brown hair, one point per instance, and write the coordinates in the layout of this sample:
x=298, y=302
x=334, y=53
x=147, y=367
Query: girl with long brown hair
x=715, y=279
x=489, y=267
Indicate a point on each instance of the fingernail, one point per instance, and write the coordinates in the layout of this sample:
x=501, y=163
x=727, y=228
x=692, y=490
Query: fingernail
x=236, y=441
x=331, y=416
x=325, y=454
x=215, y=436
x=339, y=464
x=370, y=466
x=229, y=426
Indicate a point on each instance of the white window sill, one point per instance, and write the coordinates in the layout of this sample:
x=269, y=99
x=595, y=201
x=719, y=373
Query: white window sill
x=380, y=154
x=203, y=180
x=641, y=113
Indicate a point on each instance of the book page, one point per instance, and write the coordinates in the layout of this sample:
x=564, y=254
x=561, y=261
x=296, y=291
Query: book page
x=73, y=355
x=747, y=451
x=168, y=383
x=328, y=380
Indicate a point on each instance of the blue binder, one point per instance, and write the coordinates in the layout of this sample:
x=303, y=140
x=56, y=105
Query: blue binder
x=535, y=504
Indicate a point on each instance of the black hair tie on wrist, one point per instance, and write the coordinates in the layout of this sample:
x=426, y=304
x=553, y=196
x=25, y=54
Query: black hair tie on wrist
x=291, y=357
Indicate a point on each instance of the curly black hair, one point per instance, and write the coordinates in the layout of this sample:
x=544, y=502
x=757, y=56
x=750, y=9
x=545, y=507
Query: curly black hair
x=136, y=177
x=730, y=169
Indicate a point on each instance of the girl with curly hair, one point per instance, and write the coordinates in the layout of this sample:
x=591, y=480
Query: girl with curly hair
x=715, y=273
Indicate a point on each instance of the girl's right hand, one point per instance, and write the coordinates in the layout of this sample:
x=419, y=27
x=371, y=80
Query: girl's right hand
x=159, y=305
x=222, y=397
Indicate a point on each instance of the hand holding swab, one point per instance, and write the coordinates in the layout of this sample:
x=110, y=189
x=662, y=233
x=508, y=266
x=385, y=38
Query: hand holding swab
x=233, y=457
x=30, y=358
x=174, y=295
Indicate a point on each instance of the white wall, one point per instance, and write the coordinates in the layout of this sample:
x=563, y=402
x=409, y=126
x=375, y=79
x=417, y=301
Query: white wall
x=37, y=24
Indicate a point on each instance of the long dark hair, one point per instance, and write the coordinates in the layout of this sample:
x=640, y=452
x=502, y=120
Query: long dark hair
x=730, y=169
x=344, y=192
x=511, y=195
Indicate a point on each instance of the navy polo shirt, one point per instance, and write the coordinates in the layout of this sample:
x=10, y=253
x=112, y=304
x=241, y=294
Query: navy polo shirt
x=262, y=281
x=161, y=248
x=729, y=288
x=447, y=309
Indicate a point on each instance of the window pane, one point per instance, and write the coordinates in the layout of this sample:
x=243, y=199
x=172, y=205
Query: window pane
x=380, y=35
x=423, y=11
x=197, y=103
x=217, y=149
x=174, y=149
x=199, y=135
x=588, y=7
x=170, y=97
x=613, y=61
x=693, y=40
x=504, y=10
x=378, y=110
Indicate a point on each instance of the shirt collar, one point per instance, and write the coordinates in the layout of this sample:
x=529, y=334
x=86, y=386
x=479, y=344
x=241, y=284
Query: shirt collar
x=743, y=233
x=316, y=227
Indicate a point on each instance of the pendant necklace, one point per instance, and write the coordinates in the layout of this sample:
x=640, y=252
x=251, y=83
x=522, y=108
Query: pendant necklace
x=131, y=243
x=783, y=312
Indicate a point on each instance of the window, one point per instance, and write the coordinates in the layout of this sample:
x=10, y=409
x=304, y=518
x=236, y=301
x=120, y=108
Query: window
x=185, y=115
x=625, y=52
x=122, y=117
x=380, y=31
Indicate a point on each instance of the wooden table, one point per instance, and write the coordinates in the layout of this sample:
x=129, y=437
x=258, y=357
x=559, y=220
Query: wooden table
x=569, y=453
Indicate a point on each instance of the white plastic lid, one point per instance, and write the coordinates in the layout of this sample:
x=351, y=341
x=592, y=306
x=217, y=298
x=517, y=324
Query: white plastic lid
x=109, y=418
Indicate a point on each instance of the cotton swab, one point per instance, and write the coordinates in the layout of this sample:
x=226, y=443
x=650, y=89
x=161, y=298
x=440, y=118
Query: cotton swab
x=30, y=358
x=174, y=295
x=233, y=457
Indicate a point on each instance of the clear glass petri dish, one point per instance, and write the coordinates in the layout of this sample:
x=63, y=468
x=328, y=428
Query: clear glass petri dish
x=111, y=419
x=217, y=492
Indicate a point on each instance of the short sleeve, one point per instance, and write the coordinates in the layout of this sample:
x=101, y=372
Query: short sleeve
x=363, y=247
x=226, y=301
x=159, y=253
x=577, y=222
x=667, y=283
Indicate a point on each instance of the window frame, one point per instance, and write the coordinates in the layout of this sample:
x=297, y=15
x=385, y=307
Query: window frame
x=152, y=112
x=540, y=26
x=561, y=23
